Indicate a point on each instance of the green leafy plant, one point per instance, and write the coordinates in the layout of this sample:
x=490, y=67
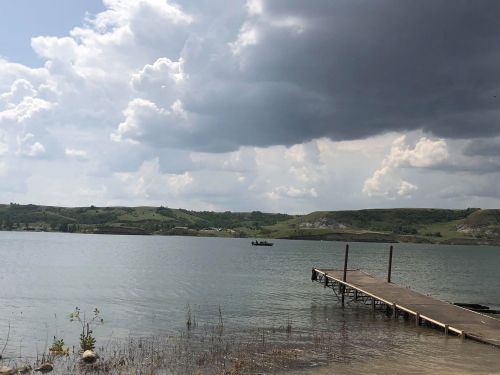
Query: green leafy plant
x=58, y=347
x=87, y=340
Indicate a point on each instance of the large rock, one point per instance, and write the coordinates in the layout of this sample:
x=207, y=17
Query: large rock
x=89, y=356
x=4, y=370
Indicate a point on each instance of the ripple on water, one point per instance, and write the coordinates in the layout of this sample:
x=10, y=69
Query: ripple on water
x=143, y=284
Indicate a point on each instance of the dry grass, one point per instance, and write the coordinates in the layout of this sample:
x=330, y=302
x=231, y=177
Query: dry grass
x=206, y=350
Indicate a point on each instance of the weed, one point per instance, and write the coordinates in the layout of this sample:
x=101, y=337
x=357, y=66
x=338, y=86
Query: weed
x=87, y=341
x=58, y=347
x=288, y=326
x=190, y=318
x=6, y=342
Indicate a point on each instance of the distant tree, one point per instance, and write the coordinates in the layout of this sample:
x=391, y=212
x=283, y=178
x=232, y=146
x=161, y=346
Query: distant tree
x=265, y=231
x=8, y=224
x=240, y=234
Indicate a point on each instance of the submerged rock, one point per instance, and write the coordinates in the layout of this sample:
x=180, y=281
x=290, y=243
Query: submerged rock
x=24, y=369
x=45, y=367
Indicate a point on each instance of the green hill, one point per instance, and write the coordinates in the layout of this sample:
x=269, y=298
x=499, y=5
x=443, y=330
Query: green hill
x=472, y=225
x=130, y=220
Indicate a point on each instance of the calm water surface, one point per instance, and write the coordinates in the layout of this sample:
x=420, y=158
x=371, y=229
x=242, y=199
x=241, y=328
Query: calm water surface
x=142, y=285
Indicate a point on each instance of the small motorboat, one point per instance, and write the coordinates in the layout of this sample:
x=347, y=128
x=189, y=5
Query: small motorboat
x=261, y=243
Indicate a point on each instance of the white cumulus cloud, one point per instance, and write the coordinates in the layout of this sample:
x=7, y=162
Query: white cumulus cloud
x=246, y=105
x=291, y=192
x=74, y=153
x=385, y=181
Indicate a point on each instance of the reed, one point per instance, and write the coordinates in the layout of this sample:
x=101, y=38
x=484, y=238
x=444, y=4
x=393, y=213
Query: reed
x=209, y=349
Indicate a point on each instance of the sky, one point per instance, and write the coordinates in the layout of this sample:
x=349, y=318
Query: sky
x=271, y=105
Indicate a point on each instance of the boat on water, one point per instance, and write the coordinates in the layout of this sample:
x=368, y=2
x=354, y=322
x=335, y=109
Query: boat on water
x=261, y=243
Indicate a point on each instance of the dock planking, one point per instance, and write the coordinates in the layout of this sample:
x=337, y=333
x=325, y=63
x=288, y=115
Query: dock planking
x=466, y=323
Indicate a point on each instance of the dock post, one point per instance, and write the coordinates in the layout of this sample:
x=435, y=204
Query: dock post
x=373, y=303
x=417, y=319
x=446, y=329
x=390, y=265
x=395, y=311
x=345, y=272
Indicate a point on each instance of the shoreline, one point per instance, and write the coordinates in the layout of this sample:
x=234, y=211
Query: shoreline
x=331, y=236
x=208, y=349
x=472, y=226
x=213, y=349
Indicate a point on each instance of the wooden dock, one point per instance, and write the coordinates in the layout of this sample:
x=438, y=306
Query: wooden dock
x=359, y=286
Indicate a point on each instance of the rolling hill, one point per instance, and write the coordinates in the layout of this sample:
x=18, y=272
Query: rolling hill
x=470, y=226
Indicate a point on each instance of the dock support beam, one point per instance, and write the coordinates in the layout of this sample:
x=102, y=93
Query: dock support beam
x=345, y=272
x=314, y=275
x=390, y=265
x=408, y=304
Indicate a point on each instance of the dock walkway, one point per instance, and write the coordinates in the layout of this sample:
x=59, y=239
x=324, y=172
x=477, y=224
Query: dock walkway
x=359, y=285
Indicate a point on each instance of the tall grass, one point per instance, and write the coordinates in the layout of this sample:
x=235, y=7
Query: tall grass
x=211, y=349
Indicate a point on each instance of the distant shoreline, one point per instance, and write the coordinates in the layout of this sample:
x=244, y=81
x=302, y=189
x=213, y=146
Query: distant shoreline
x=472, y=226
x=333, y=237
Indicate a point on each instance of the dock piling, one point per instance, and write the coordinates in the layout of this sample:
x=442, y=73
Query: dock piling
x=314, y=275
x=345, y=272
x=390, y=265
x=409, y=303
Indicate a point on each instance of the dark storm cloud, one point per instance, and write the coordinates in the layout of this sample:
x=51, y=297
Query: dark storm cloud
x=483, y=147
x=352, y=69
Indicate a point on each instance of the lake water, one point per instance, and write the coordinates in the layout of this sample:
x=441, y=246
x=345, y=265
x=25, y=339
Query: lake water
x=142, y=285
